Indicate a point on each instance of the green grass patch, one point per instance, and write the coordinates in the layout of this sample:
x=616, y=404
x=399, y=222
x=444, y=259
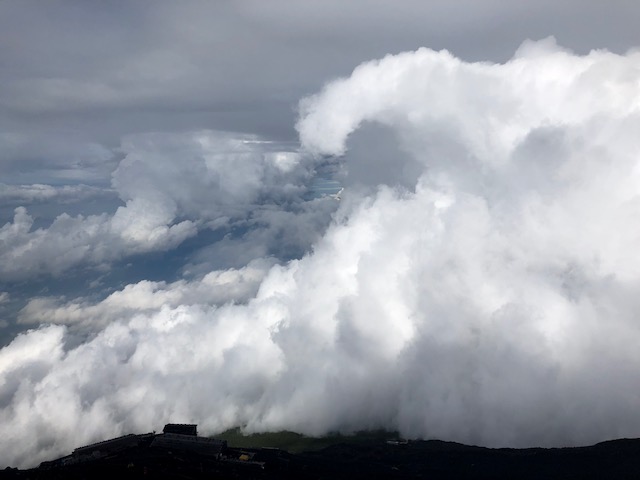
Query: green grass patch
x=296, y=443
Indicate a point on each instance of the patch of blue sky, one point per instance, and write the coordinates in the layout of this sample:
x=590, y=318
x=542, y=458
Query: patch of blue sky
x=324, y=183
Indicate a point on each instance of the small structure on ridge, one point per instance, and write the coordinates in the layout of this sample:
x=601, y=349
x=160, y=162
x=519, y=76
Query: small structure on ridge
x=181, y=429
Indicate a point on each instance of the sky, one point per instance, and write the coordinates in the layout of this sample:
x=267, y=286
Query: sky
x=319, y=216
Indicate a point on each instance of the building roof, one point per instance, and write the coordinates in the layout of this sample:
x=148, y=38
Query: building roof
x=181, y=429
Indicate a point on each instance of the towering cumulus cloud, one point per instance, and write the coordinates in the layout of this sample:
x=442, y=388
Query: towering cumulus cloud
x=485, y=291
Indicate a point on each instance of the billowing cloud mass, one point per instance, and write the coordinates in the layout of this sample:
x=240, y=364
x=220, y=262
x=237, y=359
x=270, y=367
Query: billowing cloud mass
x=484, y=291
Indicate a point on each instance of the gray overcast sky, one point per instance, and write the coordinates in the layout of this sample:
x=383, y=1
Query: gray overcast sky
x=93, y=71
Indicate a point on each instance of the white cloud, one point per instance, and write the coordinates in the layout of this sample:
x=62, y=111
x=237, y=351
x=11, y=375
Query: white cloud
x=214, y=288
x=206, y=174
x=36, y=193
x=492, y=300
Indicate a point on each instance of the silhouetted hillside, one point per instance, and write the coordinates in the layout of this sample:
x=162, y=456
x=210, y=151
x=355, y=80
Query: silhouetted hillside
x=175, y=455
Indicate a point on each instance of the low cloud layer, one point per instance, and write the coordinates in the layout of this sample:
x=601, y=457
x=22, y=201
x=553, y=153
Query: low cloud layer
x=172, y=186
x=486, y=294
x=40, y=193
